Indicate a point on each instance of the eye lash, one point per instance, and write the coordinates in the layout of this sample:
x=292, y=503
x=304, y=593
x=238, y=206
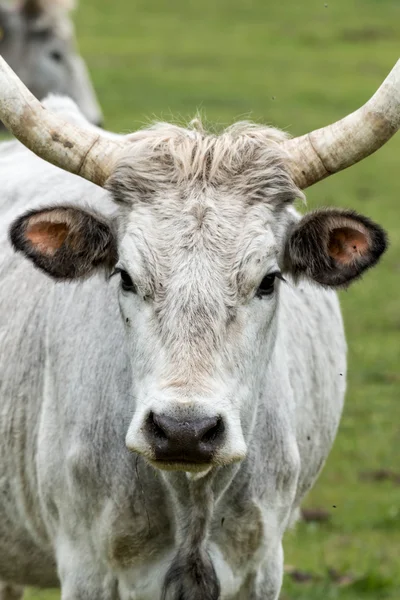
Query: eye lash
x=279, y=276
x=115, y=272
x=266, y=287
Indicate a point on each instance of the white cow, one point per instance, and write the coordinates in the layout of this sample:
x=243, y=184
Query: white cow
x=160, y=428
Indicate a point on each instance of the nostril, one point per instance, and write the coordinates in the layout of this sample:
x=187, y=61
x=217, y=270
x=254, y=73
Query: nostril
x=184, y=440
x=214, y=432
x=155, y=428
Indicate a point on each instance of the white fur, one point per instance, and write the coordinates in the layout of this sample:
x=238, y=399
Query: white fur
x=76, y=380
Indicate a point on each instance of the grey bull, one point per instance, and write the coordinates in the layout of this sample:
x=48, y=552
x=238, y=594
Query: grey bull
x=37, y=39
x=166, y=405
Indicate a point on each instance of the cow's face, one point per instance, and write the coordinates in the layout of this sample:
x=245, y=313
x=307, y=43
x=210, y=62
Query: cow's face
x=204, y=235
x=37, y=40
x=199, y=271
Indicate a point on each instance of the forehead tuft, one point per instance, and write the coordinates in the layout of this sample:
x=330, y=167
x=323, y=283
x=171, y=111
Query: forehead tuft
x=245, y=160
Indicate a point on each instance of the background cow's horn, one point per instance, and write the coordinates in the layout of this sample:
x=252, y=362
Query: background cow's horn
x=71, y=148
x=333, y=148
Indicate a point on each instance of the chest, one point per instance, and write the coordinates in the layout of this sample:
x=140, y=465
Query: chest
x=141, y=550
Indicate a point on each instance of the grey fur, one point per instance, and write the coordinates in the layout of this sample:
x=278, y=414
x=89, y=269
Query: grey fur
x=37, y=40
x=191, y=575
x=200, y=220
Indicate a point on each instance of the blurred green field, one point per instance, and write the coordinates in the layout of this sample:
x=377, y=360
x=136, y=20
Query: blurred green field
x=298, y=65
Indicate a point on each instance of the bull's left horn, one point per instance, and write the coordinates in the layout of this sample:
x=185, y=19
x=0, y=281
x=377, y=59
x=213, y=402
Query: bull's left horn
x=77, y=150
x=325, y=151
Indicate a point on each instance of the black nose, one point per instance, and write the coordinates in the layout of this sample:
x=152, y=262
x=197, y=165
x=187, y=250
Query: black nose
x=192, y=441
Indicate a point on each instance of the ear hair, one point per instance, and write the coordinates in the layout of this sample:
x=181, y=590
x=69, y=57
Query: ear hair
x=334, y=247
x=66, y=242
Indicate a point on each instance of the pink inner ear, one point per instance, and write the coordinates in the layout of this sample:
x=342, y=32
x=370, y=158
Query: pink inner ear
x=47, y=237
x=346, y=245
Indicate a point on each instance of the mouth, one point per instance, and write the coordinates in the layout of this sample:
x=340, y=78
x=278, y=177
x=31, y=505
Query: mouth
x=181, y=465
x=187, y=464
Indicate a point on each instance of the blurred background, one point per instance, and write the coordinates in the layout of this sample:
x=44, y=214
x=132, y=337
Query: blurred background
x=298, y=66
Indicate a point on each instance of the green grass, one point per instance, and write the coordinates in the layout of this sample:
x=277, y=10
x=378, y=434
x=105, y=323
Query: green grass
x=298, y=65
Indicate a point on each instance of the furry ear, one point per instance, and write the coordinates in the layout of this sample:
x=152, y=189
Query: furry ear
x=65, y=242
x=334, y=247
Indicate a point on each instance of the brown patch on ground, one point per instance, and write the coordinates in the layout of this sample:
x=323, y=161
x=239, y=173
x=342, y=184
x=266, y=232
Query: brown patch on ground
x=368, y=34
x=340, y=579
x=315, y=515
x=381, y=475
x=300, y=576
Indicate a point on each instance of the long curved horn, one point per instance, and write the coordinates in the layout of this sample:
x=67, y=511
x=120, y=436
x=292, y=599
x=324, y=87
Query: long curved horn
x=325, y=151
x=74, y=149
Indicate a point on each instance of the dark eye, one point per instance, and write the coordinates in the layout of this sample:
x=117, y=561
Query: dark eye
x=266, y=287
x=56, y=56
x=126, y=282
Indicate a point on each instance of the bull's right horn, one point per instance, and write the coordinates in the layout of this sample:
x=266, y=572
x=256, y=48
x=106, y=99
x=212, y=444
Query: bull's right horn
x=77, y=150
x=325, y=151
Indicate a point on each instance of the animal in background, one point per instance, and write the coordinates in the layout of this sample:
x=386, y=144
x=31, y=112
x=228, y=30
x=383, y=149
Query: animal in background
x=37, y=40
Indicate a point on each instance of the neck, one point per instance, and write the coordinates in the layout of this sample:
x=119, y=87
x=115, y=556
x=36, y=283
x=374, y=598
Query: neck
x=191, y=575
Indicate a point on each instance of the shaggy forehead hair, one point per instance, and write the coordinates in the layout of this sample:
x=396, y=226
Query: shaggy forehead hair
x=245, y=158
x=205, y=214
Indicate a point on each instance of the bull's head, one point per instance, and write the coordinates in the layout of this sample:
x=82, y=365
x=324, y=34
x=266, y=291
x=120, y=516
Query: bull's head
x=204, y=234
